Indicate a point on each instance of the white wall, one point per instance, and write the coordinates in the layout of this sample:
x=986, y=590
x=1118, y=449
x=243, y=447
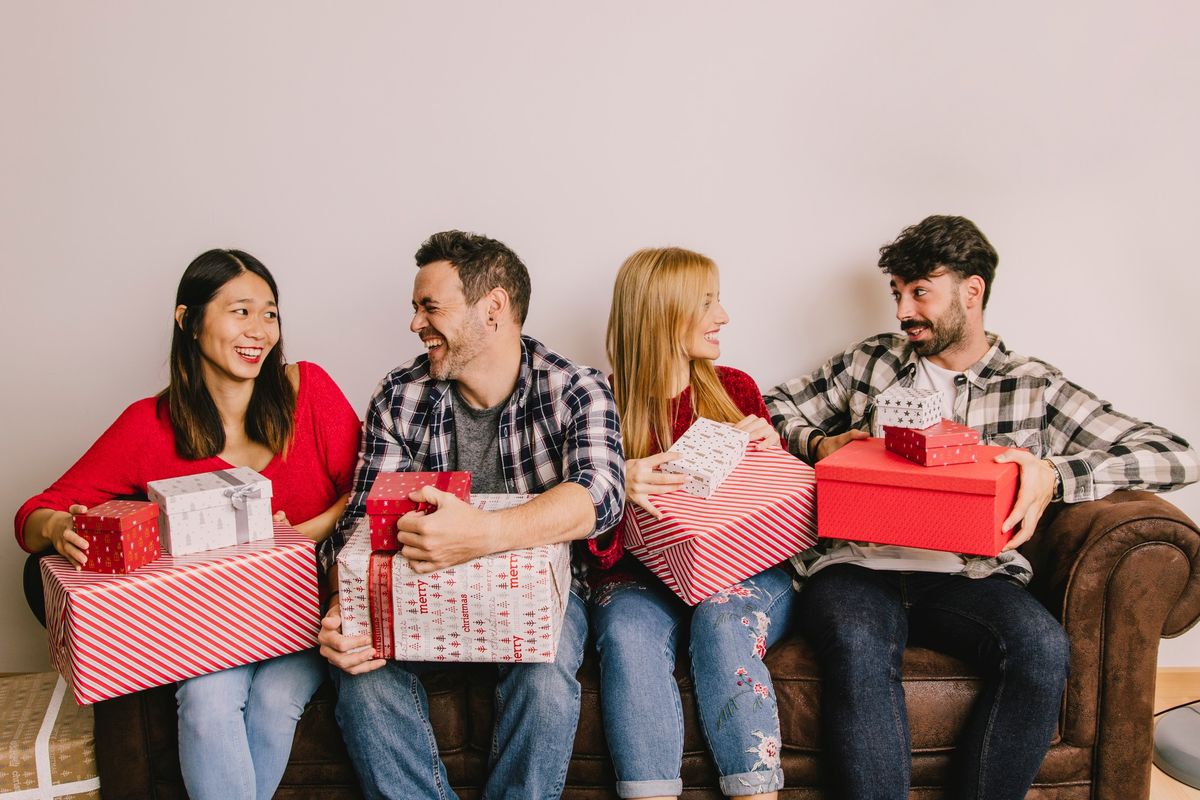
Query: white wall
x=787, y=140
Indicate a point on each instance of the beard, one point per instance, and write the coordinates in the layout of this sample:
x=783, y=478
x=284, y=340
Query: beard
x=944, y=333
x=459, y=350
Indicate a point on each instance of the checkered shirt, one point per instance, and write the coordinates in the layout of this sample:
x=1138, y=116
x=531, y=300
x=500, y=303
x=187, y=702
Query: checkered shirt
x=1012, y=400
x=559, y=425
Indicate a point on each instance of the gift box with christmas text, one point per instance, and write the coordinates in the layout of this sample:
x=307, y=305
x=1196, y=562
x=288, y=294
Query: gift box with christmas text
x=502, y=607
x=866, y=493
x=763, y=514
x=122, y=535
x=209, y=510
x=180, y=616
x=388, y=500
x=939, y=445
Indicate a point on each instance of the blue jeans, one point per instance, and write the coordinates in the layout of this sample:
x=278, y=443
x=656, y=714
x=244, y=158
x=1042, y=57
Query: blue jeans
x=638, y=625
x=236, y=725
x=858, y=620
x=384, y=717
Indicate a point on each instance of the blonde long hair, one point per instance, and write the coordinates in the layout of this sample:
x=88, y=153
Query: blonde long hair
x=657, y=298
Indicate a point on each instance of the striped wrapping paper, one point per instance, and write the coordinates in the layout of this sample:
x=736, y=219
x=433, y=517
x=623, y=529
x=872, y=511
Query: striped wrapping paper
x=764, y=512
x=180, y=616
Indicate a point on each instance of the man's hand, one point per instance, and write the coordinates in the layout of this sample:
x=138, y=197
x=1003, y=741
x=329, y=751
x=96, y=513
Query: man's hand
x=1038, y=480
x=643, y=478
x=351, y=654
x=762, y=434
x=831, y=444
x=452, y=533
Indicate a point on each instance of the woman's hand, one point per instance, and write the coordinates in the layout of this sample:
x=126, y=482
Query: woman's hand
x=762, y=434
x=59, y=529
x=642, y=479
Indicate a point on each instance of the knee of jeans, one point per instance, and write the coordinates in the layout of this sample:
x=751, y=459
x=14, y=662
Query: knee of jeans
x=554, y=689
x=1041, y=658
x=856, y=648
x=282, y=698
x=208, y=698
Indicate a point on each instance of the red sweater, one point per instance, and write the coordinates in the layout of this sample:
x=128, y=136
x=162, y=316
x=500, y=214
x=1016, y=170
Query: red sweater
x=140, y=447
x=745, y=395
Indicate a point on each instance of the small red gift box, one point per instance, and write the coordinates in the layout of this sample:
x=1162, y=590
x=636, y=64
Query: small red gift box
x=388, y=500
x=122, y=535
x=762, y=514
x=945, y=443
x=181, y=616
x=867, y=494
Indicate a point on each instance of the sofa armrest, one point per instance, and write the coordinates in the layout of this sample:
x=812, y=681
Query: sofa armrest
x=1121, y=572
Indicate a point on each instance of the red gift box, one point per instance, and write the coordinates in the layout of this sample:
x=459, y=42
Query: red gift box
x=762, y=514
x=939, y=445
x=181, y=616
x=388, y=500
x=122, y=535
x=867, y=494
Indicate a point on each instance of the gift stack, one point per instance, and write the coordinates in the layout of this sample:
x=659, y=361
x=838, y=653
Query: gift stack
x=744, y=517
x=388, y=500
x=502, y=607
x=883, y=492
x=221, y=596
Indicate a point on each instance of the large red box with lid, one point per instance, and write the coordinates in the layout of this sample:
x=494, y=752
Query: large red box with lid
x=867, y=494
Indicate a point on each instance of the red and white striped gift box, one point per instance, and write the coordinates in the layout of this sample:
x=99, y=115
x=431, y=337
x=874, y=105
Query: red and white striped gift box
x=180, y=616
x=764, y=513
x=502, y=607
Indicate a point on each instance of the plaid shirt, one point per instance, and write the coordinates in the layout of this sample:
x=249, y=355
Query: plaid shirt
x=1012, y=400
x=559, y=425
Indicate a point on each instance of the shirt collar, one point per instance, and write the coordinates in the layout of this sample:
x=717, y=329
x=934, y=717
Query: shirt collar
x=439, y=391
x=978, y=374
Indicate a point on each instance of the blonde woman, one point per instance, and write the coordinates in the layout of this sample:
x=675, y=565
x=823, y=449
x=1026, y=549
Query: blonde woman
x=663, y=336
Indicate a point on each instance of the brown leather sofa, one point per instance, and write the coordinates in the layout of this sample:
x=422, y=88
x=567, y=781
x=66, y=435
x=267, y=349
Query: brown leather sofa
x=1121, y=573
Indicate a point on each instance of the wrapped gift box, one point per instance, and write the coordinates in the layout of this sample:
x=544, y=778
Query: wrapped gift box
x=502, y=607
x=122, y=535
x=46, y=745
x=180, y=616
x=212, y=509
x=388, y=500
x=939, y=445
x=708, y=452
x=763, y=514
x=902, y=407
x=867, y=494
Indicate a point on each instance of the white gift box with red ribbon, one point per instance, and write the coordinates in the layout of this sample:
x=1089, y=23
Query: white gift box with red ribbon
x=708, y=452
x=907, y=407
x=212, y=509
x=764, y=513
x=502, y=607
x=180, y=616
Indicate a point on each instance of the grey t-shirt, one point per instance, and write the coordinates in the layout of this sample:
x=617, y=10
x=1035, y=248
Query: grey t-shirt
x=477, y=444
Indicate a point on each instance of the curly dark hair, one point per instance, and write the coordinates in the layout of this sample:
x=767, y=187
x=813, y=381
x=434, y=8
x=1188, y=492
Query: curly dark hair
x=941, y=241
x=482, y=264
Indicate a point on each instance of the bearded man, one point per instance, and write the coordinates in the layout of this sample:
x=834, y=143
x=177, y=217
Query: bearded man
x=862, y=603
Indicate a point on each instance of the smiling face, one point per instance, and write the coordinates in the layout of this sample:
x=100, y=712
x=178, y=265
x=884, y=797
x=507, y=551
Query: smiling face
x=932, y=312
x=702, y=339
x=452, y=330
x=241, y=326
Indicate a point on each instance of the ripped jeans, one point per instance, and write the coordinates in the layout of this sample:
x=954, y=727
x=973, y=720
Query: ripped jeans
x=637, y=625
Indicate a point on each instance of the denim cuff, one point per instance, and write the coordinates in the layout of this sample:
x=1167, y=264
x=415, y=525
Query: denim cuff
x=671, y=788
x=757, y=782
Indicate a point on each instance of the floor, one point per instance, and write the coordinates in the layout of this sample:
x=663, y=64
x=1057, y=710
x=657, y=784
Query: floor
x=1175, y=685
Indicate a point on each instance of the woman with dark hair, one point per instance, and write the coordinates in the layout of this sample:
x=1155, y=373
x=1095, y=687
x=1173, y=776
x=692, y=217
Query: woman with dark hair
x=232, y=401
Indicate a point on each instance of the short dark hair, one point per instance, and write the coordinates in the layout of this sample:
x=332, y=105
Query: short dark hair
x=482, y=264
x=941, y=241
x=199, y=431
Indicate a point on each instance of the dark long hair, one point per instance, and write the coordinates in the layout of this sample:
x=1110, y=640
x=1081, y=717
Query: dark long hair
x=199, y=432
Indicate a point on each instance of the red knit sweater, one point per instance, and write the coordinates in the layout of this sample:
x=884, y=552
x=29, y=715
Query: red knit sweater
x=140, y=447
x=745, y=395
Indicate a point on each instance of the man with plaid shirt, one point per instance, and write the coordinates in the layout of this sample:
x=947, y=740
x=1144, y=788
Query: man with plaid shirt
x=861, y=603
x=522, y=419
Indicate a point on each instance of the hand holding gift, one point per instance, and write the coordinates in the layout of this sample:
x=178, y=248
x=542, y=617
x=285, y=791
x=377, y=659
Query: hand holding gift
x=1035, y=491
x=644, y=478
x=351, y=654
x=762, y=434
x=59, y=527
x=452, y=533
